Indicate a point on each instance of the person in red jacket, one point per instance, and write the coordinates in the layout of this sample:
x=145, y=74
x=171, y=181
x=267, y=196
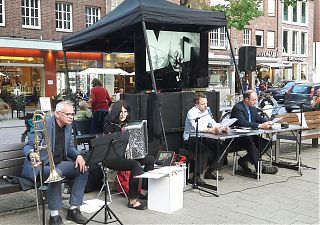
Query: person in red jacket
x=99, y=105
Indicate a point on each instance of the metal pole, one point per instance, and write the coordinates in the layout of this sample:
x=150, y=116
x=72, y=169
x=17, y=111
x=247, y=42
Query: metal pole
x=234, y=61
x=154, y=86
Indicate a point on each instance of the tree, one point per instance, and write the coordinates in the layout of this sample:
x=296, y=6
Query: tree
x=239, y=13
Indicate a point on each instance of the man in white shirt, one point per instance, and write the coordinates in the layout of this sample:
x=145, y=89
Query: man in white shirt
x=201, y=113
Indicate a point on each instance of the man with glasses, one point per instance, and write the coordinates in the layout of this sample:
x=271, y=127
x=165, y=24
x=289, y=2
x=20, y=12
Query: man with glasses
x=68, y=161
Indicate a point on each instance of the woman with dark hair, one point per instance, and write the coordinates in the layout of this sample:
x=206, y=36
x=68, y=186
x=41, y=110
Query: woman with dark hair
x=115, y=122
x=100, y=102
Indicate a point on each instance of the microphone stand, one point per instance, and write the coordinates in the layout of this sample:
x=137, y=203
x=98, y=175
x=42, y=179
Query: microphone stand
x=202, y=187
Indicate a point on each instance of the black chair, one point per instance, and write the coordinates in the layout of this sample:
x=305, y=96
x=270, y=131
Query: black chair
x=82, y=134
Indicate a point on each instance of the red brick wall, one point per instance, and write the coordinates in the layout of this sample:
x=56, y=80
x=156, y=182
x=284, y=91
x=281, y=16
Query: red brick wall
x=48, y=28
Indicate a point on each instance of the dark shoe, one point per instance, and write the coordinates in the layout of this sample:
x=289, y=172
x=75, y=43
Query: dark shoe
x=142, y=206
x=76, y=216
x=269, y=169
x=244, y=164
x=212, y=175
x=143, y=196
x=55, y=220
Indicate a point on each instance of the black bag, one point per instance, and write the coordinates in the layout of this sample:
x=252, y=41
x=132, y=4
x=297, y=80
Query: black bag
x=95, y=178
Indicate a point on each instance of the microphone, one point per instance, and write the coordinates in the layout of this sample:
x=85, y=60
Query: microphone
x=209, y=111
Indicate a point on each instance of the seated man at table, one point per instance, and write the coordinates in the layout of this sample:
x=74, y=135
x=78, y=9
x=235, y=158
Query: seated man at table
x=201, y=112
x=248, y=116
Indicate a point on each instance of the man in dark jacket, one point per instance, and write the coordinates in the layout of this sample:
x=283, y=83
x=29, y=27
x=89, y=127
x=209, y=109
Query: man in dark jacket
x=248, y=116
x=68, y=162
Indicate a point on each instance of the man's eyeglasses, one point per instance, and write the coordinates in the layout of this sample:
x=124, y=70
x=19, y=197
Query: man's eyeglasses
x=124, y=113
x=68, y=114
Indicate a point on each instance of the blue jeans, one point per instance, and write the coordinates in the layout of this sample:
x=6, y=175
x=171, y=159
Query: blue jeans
x=54, y=192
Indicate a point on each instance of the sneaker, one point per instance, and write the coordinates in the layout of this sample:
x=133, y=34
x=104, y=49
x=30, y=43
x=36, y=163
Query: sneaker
x=269, y=169
x=76, y=216
x=212, y=175
x=55, y=220
x=244, y=164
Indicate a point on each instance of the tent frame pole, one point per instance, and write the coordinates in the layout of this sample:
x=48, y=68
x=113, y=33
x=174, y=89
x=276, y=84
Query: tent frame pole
x=154, y=85
x=234, y=61
x=66, y=73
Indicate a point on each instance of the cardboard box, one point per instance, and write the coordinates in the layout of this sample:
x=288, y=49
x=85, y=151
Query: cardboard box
x=165, y=194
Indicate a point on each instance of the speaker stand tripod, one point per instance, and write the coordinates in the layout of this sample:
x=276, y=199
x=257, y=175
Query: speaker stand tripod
x=108, y=213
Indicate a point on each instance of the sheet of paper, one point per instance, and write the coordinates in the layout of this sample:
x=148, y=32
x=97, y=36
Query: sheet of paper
x=228, y=122
x=303, y=122
x=275, y=120
x=91, y=206
x=161, y=172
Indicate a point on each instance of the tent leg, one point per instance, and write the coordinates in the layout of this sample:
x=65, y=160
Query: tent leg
x=154, y=86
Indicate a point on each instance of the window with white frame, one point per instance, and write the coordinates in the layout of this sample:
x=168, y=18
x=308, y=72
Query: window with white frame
x=270, y=39
x=63, y=16
x=30, y=12
x=113, y=4
x=218, y=38
x=246, y=37
x=285, y=40
x=294, y=14
x=294, y=43
x=259, y=38
x=271, y=7
x=303, y=12
x=303, y=42
x=92, y=15
x=285, y=12
x=2, y=15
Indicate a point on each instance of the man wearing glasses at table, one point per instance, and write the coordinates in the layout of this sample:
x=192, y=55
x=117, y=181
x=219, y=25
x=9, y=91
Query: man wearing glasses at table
x=68, y=161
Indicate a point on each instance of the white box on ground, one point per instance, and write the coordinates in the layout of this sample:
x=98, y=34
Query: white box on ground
x=165, y=189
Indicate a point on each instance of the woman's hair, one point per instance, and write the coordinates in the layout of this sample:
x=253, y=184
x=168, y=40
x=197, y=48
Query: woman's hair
x=114, y=113
x=96, y=82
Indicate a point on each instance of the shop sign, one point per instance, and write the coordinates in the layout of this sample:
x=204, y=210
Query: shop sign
x=271, y=54
x=297, y=59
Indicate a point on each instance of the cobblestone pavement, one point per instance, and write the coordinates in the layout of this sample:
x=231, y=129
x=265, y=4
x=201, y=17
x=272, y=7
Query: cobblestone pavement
x=284, y=198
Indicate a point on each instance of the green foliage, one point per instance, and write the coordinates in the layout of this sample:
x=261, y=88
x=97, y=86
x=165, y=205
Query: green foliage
x=239, y=13
x=289, y=2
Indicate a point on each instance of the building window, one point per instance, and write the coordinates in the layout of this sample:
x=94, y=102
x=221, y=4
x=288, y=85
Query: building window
x=246, y=37
x=112, y=4
x=63, y=16
x=92, y=15
x=285, y=41
x=270, y=39
x=294, y=14
x=2, y=16
x=303, y=41
x=294, y=46
x=271, y=7
x=285, y=15
x=303, y=12
x=218, y=38
x=30, y=12
x=259, y=38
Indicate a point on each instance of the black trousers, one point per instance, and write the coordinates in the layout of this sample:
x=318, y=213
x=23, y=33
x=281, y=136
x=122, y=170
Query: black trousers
x=98, y=121
x=133, y=165
x=251, y=144
x=207, y=148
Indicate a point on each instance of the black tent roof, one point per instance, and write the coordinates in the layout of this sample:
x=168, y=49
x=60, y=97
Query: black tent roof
x=116, y=31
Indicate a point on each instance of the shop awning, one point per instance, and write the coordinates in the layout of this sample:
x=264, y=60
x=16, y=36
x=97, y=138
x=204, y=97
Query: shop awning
x=106, y=71
x=276, y=65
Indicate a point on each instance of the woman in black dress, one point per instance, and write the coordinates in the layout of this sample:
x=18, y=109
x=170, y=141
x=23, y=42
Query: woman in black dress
x=115, y=122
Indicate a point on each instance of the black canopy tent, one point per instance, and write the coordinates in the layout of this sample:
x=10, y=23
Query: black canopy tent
x=117, y=30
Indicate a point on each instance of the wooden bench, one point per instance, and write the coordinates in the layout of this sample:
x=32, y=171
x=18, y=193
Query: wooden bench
x=11, y=162
x=311, y=132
